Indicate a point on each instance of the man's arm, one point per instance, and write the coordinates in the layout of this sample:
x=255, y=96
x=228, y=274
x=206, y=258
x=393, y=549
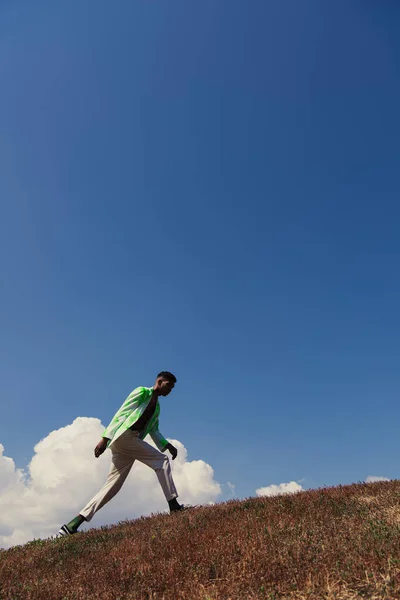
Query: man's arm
x=117, y=419
x=101, y=446
x=160, y=441
x=123, y=412
x=172, y=449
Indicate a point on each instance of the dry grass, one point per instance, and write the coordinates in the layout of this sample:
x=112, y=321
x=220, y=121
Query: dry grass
x=335, y=543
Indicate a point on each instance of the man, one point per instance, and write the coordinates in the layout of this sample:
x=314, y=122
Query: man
x=137, y=417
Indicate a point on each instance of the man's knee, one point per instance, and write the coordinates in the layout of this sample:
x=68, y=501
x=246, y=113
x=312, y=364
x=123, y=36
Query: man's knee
x=163, y=463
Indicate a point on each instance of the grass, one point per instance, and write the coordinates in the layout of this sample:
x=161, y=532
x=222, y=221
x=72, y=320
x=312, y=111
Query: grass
x=333, y=543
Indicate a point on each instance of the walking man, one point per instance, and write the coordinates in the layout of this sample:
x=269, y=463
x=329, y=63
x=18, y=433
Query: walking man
x=137, y=417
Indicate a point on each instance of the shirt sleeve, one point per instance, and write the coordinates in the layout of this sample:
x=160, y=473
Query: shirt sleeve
x=158, y=438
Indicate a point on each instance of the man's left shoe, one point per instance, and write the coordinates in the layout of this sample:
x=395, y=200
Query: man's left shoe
x=65, y=532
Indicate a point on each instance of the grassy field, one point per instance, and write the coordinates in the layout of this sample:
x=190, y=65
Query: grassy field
x=333, y=543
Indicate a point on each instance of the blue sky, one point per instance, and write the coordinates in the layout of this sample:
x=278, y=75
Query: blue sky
x=210, y=188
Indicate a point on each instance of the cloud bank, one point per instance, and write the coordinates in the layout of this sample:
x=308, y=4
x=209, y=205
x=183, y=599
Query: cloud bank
x=63, y=475
x=374, y=478
x=283, y=488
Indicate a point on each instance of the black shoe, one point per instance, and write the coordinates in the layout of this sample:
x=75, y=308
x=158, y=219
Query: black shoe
x=182, y=507
x=65, y=532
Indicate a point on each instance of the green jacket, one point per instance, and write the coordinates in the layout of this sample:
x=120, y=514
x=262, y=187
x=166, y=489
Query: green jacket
x=129, y=413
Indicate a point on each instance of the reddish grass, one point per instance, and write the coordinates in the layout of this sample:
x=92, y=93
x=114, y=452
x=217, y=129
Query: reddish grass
x=334, y=543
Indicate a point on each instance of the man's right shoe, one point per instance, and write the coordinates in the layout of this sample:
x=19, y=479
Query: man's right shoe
x=182, y=507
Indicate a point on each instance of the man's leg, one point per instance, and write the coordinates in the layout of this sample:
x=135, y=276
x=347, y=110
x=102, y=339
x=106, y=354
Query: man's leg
x=121, y=464
x=159, y=462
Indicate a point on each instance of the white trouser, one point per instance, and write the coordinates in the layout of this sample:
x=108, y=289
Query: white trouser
x=125, y=450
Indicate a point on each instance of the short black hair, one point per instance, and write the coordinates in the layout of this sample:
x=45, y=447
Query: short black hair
x=167, y=375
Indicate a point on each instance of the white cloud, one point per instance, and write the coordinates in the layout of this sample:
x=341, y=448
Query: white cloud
x=232, y=487
x=283, y=488
x=374, y=478
x=63, y=475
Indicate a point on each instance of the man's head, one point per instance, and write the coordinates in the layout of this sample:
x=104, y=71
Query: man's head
x=165, y=383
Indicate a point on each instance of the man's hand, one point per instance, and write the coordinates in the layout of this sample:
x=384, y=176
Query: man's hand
x=101, y=446
x=172, y=449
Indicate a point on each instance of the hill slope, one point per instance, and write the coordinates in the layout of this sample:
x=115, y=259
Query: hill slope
x=341, y=542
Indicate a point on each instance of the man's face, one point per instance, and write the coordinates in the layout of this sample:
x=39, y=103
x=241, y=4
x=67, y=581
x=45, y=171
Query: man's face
x=166, y=386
